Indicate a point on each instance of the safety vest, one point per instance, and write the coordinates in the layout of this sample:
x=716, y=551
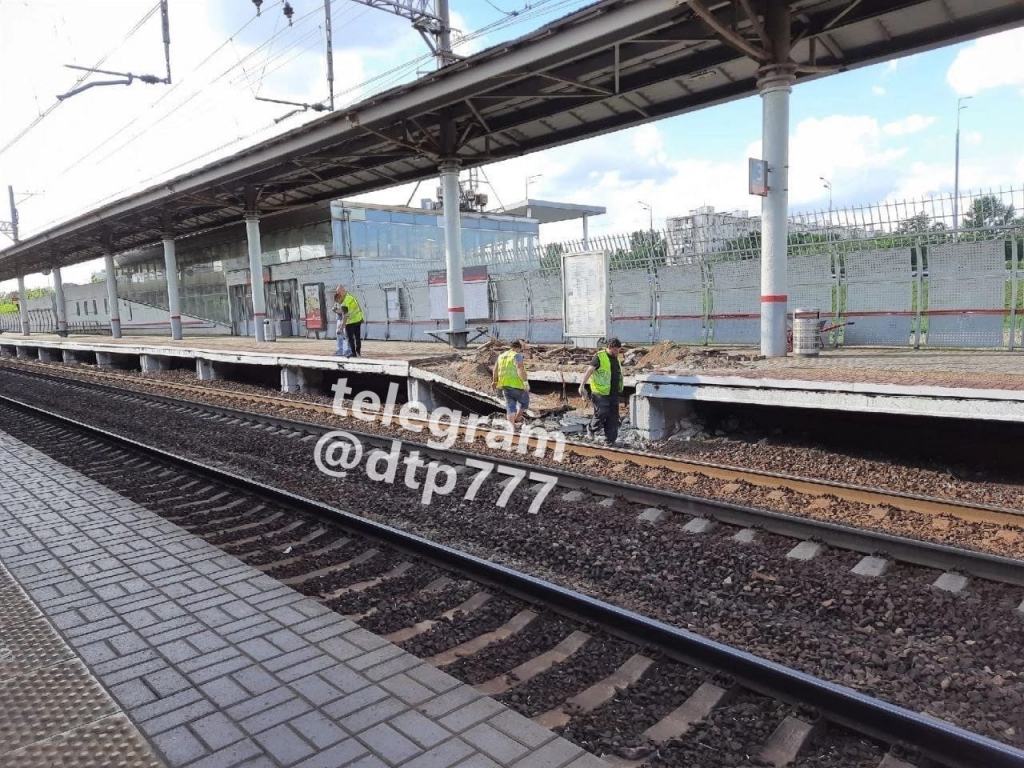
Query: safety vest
x=601, y=379
x=355, y=312
x=508, y=374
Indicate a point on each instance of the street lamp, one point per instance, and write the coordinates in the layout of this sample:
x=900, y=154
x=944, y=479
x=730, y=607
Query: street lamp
x=650, y=212
x=528, y=180
x=828, y=185
x=960, y=107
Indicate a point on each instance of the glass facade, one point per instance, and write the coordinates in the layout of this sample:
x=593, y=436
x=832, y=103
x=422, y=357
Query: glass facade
x=410, y=234
x=404, y=241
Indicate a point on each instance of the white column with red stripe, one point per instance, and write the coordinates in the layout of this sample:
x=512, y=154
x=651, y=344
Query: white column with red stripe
x=259, y=299
x=115, y=314
x=453, y=253
x=23, y=306
x=173, y=302
x=58, y=296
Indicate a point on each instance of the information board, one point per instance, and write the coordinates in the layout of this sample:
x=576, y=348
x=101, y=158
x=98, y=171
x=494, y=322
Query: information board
x=474, y=289
x=313, y=297
x=757, y=177
x=585, y=294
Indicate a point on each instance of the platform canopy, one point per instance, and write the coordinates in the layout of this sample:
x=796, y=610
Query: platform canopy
x=547, y=212
x=611, y=65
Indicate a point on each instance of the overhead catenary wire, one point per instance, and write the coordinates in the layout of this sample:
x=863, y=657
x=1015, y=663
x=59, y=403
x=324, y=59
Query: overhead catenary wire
x=383, y=81
x=99, y=63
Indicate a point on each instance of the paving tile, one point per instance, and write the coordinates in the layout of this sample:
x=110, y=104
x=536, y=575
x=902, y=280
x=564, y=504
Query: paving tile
x=341, y=755
x=388, y=743
x=494, y=743
x=179, y=746
x=284, y=745
x=420, y=729
x=216, y=731
x=318, y=730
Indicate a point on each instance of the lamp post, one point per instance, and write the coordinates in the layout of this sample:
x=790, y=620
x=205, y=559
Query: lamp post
x=828, y=185
x=960, y=107
x=650, y=212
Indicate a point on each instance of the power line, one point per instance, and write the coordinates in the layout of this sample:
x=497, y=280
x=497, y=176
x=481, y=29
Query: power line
x=24, y=132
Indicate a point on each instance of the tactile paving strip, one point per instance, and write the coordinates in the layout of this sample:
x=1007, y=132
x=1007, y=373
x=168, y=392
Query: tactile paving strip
x=29, y=646
x=111, y=742
x=48, y=702
x=15, y=608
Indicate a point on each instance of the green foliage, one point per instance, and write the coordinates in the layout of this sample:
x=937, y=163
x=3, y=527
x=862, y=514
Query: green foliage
x=990, y=211
x=98, y=277
x=551, y=261
x=8, y=306
x=38, y=293
x=646, y=248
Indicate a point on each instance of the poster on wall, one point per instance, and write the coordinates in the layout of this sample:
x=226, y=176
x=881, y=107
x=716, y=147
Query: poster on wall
x=313, y=297
x=585, y=294
x=474, y=288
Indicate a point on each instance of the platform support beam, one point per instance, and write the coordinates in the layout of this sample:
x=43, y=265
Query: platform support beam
x=173, y=302
x=115, y=313
x=62, y=306
x=152, y=363
x=23, y=305
x=208, y=370
x=259, y=299
x=657, y=418
x=104, y=360
x=419, y=391
x=451, y=198
x=775, y=83
x=70, y=357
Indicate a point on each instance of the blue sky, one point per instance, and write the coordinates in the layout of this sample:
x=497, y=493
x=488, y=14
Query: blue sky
x=881, y=133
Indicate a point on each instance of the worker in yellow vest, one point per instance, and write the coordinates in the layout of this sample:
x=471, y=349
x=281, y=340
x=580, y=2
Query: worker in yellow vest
x=605, y=378
x=349, y=322
x=510, y=379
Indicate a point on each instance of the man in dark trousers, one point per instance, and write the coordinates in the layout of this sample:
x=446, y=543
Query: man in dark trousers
x=605, y=377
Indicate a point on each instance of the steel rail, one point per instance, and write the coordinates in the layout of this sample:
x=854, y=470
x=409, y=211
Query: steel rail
x=904, y=500
x=913, y=551
x=945, y=743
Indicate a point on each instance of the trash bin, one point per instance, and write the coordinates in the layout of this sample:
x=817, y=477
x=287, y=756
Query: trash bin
x=805, y=332
x=268, y=331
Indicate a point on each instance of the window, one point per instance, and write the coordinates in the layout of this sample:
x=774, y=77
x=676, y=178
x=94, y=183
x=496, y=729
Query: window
x=106, y=305
x=78, y=309
x=94, y=310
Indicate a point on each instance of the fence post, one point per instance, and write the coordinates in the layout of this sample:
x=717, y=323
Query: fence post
x=1016, y=245
x=529, y=306
x=707, y=334
x=920, y=293
x=655, y=304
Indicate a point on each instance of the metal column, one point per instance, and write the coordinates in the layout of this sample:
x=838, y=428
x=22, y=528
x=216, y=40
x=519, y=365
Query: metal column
x=115, y=312
x=173, y=303
x=453, y=253
x=23, y=305
x=586, y=233
x=259, y=300
x=58, y=298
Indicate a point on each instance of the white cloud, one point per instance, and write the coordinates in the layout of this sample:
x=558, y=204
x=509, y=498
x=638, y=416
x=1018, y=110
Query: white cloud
x=892, y=65
x=910, y=124
x=974, y=138
x=878, y=90
x=990, y=62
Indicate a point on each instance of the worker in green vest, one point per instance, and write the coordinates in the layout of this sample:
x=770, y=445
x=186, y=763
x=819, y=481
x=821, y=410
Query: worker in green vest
x=605, y=378
x=510, y=379
x=349, y=322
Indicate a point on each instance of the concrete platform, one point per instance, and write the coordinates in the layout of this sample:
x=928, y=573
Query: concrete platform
x=126, y=639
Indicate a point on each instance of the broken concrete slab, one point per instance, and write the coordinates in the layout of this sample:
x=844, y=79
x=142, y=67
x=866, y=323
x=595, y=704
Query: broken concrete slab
x=574, y=496
x=608, y=501
x=747, y=536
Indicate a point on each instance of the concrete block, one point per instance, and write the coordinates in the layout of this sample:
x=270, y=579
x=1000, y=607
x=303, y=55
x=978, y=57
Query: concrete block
x=70, y=356
x=872, y=567
x=104, y=360
x=700, y=525
x=653, y=515
x=289, y=380
x=420, y=392
x=26, y=353
x=951, y=582
x=152, y=363
x=747, y=536
x=1020, y=608
x=574, y=496
x=608, y=501
x=656, y=418
x=310, y=380
x=207, y=370
x=49, y=355
x=805, y=550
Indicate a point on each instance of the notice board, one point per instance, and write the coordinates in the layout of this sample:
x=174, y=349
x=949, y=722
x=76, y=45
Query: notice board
x=585, y=294
x=474, y=289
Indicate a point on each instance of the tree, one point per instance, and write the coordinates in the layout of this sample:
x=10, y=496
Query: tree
x=551, y=261
x=646, y=248
x=98, y=277
x=38, y=293
x=989, y=211
x=919, y=223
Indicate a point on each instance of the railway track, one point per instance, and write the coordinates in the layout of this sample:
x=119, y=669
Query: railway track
x=614, y=680
x=867, y=542
x=727, y=475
